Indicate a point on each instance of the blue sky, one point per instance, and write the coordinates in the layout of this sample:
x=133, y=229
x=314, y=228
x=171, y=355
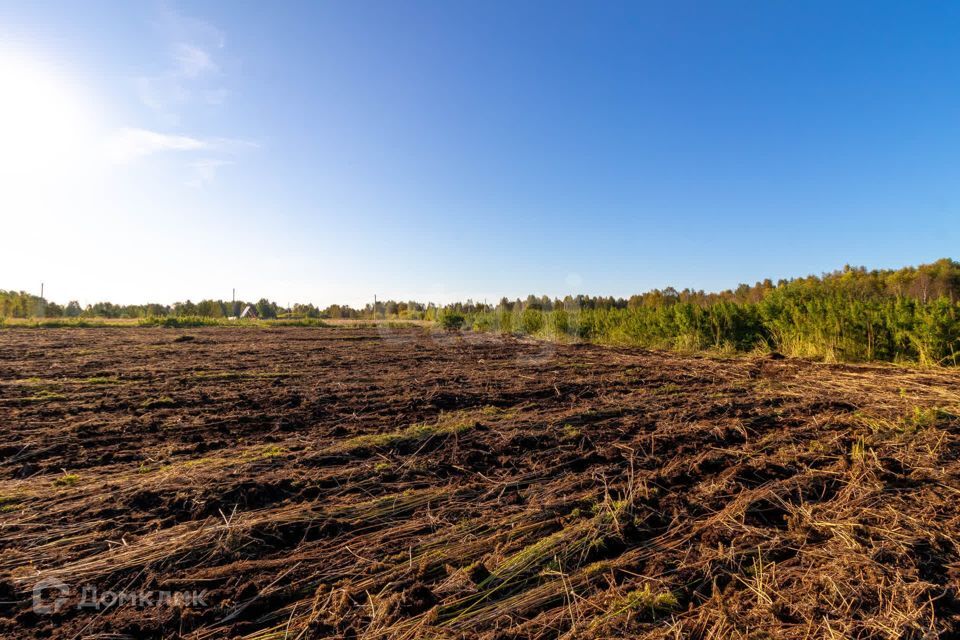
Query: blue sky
x=325, y=152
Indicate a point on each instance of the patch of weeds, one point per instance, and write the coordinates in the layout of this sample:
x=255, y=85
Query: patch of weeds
x=490, y=410
x=177, y=322
x=924, y=418
x=268, y=452
x=569, y=433
x=568, y=548
x=188, y=464
x=599, y=567
x=645, y=601
x=96, y=380
x=920, y=419
x=668, y=388
x=413, y=433
x=163, y=402
x=45, y=396
x=197, y=462
x=382, y=467
x=9, y=503
x=67, y=480
x=532, y=555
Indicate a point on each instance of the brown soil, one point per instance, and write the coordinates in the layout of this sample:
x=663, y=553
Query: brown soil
x=396, y=483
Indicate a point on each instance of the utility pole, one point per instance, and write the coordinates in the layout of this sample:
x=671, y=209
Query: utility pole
x=41, y=290
x=374, y=306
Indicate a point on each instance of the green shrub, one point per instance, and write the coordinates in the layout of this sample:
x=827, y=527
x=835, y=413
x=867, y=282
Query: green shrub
x=531, y=321
x=482, y=323
x=452, y=320
x=505, y=321
x=175, y=322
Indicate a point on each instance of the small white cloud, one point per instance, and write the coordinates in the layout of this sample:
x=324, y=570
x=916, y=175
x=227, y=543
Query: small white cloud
x=192, y=61
x=130, y=144
x=191, y=74
x=190, y=77
x=185, y=28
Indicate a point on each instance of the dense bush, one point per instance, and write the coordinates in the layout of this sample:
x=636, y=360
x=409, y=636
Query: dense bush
x=531, y=321
x=178, y=322
x=853, y=315
x=826, y=328
x=452, y=320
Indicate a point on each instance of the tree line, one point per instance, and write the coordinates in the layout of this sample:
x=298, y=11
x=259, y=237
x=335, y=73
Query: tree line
x=909, y=314
x=20, y=304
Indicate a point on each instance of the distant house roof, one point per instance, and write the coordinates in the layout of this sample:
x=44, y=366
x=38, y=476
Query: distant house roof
x=249, y=312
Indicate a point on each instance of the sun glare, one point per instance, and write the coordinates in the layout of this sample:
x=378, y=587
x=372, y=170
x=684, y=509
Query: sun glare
x=46, y=124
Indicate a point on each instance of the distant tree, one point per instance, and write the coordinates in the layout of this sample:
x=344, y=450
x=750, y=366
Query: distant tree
x=154, y=309
x=265, y=309
x=305, y=311
x=210, y=309
x=185, y=308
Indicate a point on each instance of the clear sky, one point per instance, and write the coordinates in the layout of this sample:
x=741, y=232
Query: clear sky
x=328, y=151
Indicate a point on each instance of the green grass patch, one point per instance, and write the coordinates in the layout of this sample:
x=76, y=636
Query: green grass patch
x=645, y=601
x=569, y=433
x=67, y=480
x=179, y=322
x=9, y=503
x=96, y=380
x=45, y=396
x=667, y=389
x=413, y=433
x=266, y=453
x=295, y=322
x=911, y=423
x=61, y=323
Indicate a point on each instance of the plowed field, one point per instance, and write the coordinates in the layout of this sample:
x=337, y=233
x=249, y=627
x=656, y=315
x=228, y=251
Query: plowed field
x=402, y=483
